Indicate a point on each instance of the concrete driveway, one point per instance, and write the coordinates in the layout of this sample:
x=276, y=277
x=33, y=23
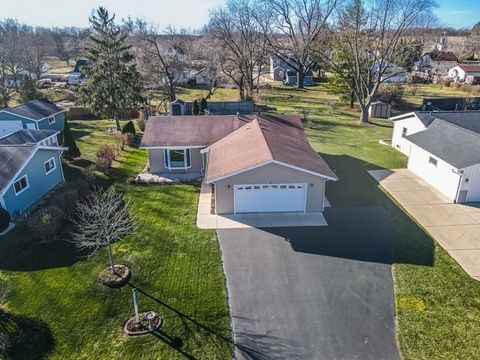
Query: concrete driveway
x=313, y=292
x=456, y=227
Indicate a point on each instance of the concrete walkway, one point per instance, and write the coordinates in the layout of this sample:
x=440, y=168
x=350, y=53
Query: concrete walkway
x=206, y=220
x=456, y=227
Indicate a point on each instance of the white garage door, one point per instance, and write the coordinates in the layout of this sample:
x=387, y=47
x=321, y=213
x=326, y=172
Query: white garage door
x=8, y=127
x=270, y=197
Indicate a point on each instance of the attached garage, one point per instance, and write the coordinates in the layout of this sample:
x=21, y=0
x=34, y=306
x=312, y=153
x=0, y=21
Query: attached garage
x=270, y=198
x=8, y=127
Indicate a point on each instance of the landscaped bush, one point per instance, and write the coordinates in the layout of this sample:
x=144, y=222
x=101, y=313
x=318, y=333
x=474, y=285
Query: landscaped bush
x=105, y=156
x=129, y=128
x=141, y=124
x=46, y=222
x=121, y=140
x=4, y=219
x=130, y=139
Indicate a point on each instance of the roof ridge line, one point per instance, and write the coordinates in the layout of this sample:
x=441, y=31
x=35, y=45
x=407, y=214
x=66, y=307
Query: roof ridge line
x=458, y=126
x=264, y=138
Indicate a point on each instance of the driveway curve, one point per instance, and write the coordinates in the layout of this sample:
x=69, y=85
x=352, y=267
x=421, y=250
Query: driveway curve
x=313, y=292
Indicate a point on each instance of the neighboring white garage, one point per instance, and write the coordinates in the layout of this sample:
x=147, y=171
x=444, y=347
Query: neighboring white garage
x=446, y=154
x=270, y=198
x=8, y=127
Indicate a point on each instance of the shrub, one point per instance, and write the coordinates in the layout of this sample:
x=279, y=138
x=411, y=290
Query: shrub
x=203, y=105
x=68, y=141
x=103, y=164
x=4, y=219
x=130, y=139
x=46, y=222
x=129, y=128
x=141, y=124
x=391, y=94
x=106, y=151
x=121, y=140
x=195, y=108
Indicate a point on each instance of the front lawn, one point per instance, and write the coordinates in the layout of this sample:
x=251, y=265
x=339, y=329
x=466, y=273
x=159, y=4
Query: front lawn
x=176, y=269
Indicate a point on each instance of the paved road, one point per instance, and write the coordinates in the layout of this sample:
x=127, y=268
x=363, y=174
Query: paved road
x=313, y=292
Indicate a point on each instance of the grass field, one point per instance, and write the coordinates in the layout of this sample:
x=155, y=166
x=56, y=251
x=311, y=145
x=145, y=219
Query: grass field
x=178, y=268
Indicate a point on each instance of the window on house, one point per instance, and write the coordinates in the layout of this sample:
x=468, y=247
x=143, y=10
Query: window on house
x=433, y=161
x=21, y=184
x=51, y=120
x=404, y=131
x=49, y=166
x=177, y=158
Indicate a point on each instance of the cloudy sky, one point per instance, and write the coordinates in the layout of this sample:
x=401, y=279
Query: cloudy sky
x=179, y=13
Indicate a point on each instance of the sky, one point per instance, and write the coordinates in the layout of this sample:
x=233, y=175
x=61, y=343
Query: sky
x=179, y=13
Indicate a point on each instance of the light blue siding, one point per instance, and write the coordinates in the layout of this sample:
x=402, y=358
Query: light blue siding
x=39, y=182
x=42, y=124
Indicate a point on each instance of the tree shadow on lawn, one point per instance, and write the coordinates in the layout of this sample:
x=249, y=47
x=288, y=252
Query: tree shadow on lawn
x=30, y=339
x=250, y=349
x=364, y=223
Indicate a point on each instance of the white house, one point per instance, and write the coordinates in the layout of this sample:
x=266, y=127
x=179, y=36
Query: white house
x=443, y=148
x=435, y=63
x=461, y=71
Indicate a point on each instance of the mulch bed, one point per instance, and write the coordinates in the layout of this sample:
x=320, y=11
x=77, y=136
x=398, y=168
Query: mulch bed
x=133, y=328
x=120, y=277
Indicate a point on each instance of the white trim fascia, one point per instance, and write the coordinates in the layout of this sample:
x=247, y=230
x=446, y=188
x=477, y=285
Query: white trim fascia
x=174, y=147
x=27, y=118
x=2, y=202
x=25, y=188
x=271, y=162
x=2, y=191
x=170, y=168
x=403, y=115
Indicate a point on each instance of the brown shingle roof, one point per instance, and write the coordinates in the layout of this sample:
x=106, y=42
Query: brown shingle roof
x=470, y=67
x=443, y=56
x=261, y=142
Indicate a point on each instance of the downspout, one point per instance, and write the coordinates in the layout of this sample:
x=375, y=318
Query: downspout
x=460, y=174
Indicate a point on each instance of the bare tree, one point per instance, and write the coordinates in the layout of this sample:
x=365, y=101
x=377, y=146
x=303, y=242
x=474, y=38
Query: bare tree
x=367, y=39
x=164, y=56
x=68, y=42
x=242, y=42
x=101, y=220
x=36, y=45
x=294, y=31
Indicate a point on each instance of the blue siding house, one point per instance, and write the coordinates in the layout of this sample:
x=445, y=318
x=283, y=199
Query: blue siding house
x=31, y=168
x=35, y=115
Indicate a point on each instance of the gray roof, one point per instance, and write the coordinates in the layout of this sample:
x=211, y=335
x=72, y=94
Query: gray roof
x=26, y=136
x=467, y=119
x=35, y=109
x=455, y=145
x=12, y=159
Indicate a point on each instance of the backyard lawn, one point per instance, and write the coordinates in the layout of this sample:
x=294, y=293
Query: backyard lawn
x=177, y=268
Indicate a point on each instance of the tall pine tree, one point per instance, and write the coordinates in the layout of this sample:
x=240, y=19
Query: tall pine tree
x=28, y=91
x=112, y=81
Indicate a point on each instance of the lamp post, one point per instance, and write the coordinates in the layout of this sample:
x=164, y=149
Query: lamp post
x=135, y=305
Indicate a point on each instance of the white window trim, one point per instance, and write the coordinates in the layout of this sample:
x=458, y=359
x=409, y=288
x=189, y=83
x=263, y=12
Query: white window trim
x=25, y=188
x=51, y=118
x=53, y=168
x=167, y=150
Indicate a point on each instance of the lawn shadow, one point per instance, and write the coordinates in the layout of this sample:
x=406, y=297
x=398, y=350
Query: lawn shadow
x=30, y=339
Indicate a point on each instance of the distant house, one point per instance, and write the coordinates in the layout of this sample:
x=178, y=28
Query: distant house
x=35, y=114
x=443, y=148
x=460, y=72
x=392, y=74
x=434, y=64
x=291, y=78
x=31, y=168
x=279, y=67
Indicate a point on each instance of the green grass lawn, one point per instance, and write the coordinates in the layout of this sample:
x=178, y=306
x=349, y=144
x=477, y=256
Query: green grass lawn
x=178, y=267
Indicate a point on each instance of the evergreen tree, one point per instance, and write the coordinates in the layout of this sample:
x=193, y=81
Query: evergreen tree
x=129, y=128
x=112, y=81
x=28, y=91
x=203, y=105
x=195, y=108
x=68, y=141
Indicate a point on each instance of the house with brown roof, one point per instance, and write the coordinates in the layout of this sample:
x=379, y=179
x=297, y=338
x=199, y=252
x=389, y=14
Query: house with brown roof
x=255, y=163
x=460, y=72
x=434, y=64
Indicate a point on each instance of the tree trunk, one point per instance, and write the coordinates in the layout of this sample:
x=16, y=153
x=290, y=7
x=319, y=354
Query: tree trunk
x=117, y=122
x=363, y=114
x=300, y=77
x=352, y=99
x=110, y=255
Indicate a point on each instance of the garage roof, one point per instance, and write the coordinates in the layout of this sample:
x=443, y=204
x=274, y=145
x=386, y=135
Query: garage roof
x=27, y=136
x=261, y=142
x=35, y=109
x=457, y=146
